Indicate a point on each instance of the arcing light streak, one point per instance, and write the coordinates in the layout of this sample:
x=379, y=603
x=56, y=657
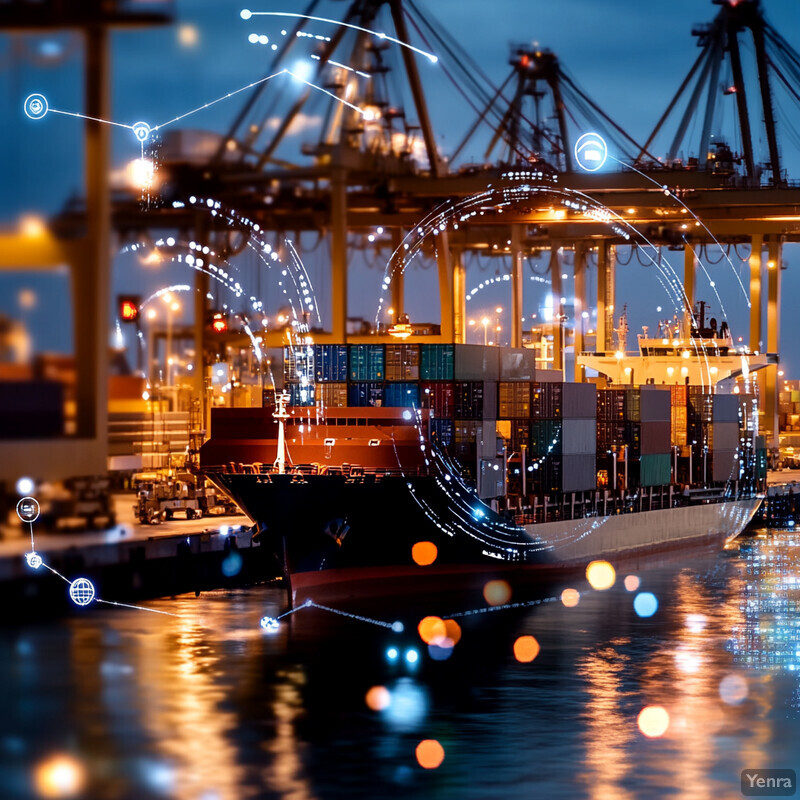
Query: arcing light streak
x=246, y=14
x=368, y=115
x=343, y=66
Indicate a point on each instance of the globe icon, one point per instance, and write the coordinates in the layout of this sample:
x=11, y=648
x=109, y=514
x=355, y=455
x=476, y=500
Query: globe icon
x=81, y=591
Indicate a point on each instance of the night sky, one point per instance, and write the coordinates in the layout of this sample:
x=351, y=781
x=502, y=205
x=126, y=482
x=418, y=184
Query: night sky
x=629, y=56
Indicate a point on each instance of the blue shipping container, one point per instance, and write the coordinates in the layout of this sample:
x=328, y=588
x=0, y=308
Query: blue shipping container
x=300, y=395
x=365, y=393
x=401, y=395
x=330, y=362
x=442, y=429
x=367, y=362
x=436, y=362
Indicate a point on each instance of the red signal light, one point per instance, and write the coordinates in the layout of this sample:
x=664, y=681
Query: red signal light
x=219, y=324
x=128, y=309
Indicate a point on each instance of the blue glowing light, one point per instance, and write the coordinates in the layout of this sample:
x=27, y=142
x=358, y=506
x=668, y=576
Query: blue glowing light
x=406, y=414
x=392, y=653
x=231, y=564
x=270, y=624
x=478, y=513
x=412, y=656
x=645, y=604
x=398, y=627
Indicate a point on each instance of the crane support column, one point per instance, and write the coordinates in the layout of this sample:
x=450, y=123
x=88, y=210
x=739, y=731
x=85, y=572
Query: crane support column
x=689, y=268
x=398, y=276
x=516, y=286
x=756, y=243
x=558, y=307
x=774, y=267
x=339, y=254
x=445, y=268
x=580, y=306
x=605, y=297
x=90, y=274
x=459, y=297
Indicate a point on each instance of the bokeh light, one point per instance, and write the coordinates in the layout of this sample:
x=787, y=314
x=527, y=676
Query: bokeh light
x=430, y=754
x=733, y=689
x=653, y=721
x=645, y=604
x=453, y=630
x=424, y=553
x=432, y=629
x=632, y=583
x=526, y=648
x=378, y=698
x=696, y=622
x=570, y=597
x=496, y=593
x=59, y=776
x=601, y=575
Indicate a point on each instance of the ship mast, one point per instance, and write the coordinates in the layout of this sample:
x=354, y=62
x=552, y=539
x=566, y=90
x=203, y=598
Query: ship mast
x=281, y=414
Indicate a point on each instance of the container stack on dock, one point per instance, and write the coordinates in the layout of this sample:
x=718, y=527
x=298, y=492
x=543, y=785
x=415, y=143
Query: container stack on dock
x=789, y=406
x=655, y=443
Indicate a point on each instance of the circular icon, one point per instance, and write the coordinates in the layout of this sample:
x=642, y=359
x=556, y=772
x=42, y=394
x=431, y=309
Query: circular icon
x=35, y=106
x=34, y=560
x=141, y=130
x=269, y=624
x=81, y=591
x=28, y=509
x=591, y=152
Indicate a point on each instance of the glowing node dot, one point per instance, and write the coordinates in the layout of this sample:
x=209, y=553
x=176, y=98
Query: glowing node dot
x=424, y=553
x=245, y=13
x=28, y=509
x=253, y=38
x=570, y=597
x=526, y=648
x=81, y=591
x=653, y=721
x=270, y=624
x=34, y=560
x=35, y=106
x=398, y=627
x=591, y=152
x=632, y=583
x=601, y=575
x=412, y=656
x=496, y=593
x=263, y=39
x=392, y=654
x=645, y=604
x=733, y=689
x=378, y=698
x=430, y=754
x=141, y=130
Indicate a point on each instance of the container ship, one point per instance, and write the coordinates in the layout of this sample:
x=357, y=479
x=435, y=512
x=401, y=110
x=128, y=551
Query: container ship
x=397, y=460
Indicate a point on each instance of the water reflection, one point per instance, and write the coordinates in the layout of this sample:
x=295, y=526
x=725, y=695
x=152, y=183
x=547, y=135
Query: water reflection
x=209, y=706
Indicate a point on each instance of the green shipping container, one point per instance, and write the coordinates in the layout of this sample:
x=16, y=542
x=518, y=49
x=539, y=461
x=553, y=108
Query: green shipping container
x=654, y=470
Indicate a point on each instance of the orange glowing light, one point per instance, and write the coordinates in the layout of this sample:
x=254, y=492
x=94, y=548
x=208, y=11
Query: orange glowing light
x=526, y=648
x=653, y=721
x=632, y=583
x=570, y=597
x=128, y=310
x=601, y=575
x=378, y=698
x=430, y=753
x=496, y=593
x=424, y=553
x=59, y=776
x=432, y=630
x=453, y=630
